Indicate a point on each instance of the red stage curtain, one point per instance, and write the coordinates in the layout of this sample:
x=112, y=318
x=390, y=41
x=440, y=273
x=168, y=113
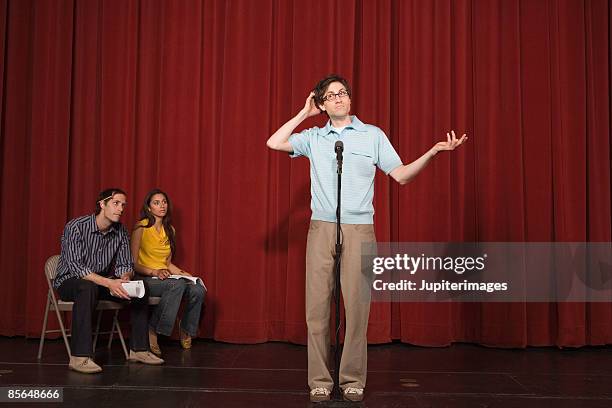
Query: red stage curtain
x=182, y=95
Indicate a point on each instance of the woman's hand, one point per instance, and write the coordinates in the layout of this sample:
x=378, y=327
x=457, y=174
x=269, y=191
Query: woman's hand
x=162, y=273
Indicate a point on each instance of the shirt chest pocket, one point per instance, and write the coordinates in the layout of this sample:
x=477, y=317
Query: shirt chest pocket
x=362, y=163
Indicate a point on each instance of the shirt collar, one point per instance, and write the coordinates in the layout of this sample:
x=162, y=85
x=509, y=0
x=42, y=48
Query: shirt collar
x=355, y=124
x=93, y=227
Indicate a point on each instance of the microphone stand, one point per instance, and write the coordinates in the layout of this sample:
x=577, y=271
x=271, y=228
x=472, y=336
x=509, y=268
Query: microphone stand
x=337, y=392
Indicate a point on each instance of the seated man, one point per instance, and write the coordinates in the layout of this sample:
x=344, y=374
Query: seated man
x=93, y=247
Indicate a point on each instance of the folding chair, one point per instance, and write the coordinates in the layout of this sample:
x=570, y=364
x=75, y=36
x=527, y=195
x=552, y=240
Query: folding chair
x=60, y=306
x=153, y=301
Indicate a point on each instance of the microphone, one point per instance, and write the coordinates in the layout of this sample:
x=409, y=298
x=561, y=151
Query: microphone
x=339, y=148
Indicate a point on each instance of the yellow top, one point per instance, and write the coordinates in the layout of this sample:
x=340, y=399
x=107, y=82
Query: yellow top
x=154, y=247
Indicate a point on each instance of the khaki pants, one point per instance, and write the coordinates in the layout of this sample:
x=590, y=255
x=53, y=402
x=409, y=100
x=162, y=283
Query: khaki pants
x=320, y=249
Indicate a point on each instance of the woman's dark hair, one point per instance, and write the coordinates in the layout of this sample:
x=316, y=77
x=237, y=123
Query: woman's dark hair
x=105, y=196
x=145, y=214
x=321, y=87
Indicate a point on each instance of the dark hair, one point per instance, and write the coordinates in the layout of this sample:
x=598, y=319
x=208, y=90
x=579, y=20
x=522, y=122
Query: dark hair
x=145, y=214
x=322, y=85
x=106, y=195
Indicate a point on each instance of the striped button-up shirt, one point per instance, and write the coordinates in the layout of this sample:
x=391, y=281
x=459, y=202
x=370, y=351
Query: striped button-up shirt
x=85, y=250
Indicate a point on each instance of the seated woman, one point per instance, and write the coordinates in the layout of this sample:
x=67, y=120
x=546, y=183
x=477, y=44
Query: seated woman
x=153, y=245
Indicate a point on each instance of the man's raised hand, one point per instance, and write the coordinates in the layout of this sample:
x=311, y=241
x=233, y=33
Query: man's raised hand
x=310, y=107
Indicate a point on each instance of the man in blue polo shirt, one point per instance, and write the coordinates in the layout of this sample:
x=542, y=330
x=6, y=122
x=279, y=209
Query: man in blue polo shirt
x=365, y=148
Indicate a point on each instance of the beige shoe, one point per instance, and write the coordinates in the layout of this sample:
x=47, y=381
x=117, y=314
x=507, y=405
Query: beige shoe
x=145, y=357
x=319, y=394
x=83, y=365
x=153, y=345
x=353, y=394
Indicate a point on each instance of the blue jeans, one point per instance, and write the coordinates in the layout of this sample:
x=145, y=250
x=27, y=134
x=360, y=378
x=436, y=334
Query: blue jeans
x=172, y=292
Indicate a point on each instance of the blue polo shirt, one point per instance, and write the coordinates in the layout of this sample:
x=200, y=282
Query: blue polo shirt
x=365, y=148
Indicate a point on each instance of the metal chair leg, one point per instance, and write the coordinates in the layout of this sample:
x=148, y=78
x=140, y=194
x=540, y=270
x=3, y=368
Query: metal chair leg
x=116, y=324
x=63, y=330
x=95, y=341
x=44, y=329
x=112, y=332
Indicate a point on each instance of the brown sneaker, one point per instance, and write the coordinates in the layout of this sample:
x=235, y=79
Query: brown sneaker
x=319, y=394
x=83, y=365
x=353, y=394
x=185, y=340
x=145, y=357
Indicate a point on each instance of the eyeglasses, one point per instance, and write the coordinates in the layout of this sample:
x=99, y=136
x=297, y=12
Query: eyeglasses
x=331, y=96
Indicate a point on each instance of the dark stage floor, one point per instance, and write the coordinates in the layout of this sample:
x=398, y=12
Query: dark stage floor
x=274, y=375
